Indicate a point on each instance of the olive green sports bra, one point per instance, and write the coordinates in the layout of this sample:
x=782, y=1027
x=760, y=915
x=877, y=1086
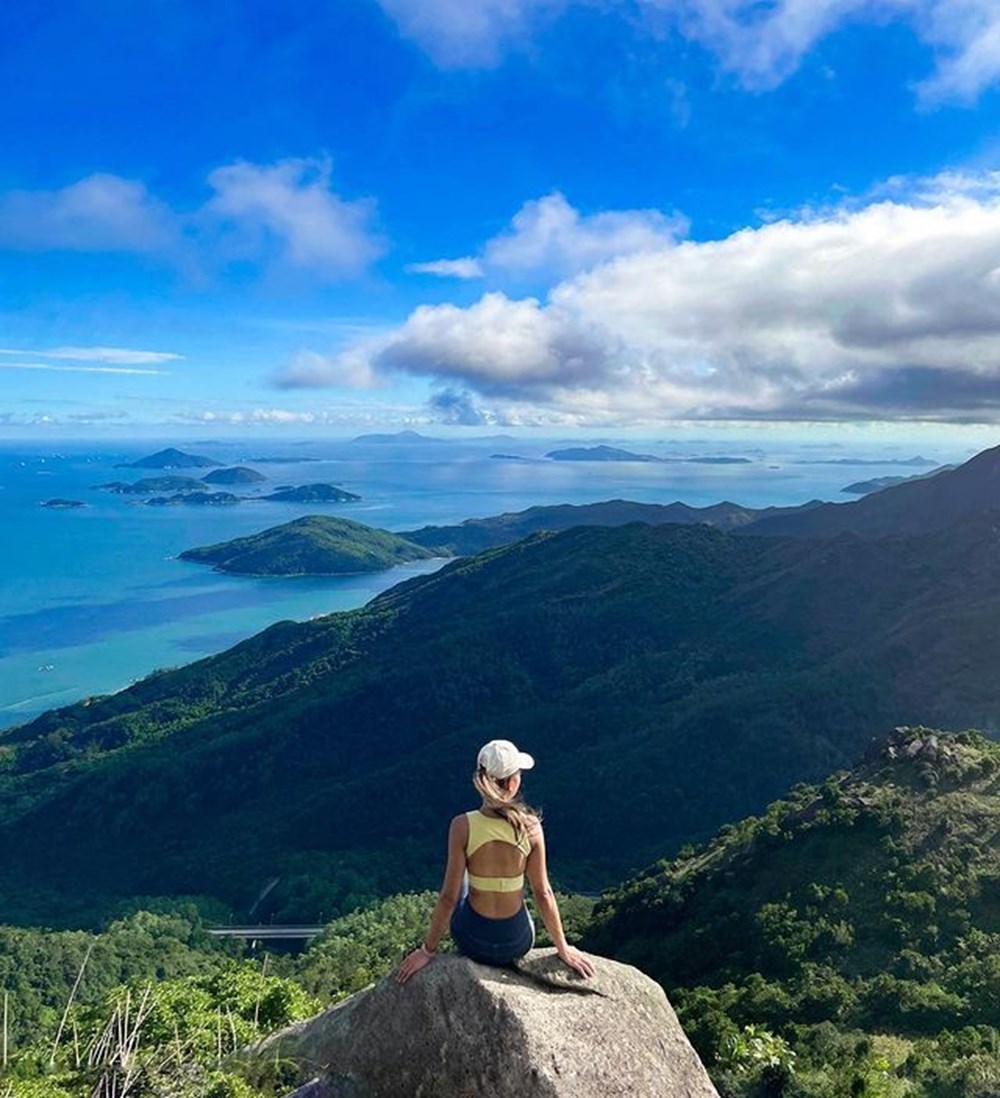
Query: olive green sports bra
x=486, y=829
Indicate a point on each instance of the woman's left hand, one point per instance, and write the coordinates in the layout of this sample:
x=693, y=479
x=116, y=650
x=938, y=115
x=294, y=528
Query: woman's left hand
x=413, y=963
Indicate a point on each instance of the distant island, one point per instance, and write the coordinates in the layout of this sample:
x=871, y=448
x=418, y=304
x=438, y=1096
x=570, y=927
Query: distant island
x=914, y=461
x=151, y=485
x=157, y=485
x=196, y=499
x=169, y=459
x=238, y=474
x=598, y=453
x=612, y=453
x=312, y=546
x=512, y=457
x=62, y=504
x=280, y=460
x=313, y=493
x=397, y=437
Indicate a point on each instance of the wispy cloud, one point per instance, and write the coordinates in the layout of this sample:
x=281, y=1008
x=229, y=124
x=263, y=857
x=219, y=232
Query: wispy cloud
x=81, y=369
x=116, y=355
x=469, y=33
x=350, y=369
x=291, y=207
x=465, y=267
x=761, y=44
x=100, y=213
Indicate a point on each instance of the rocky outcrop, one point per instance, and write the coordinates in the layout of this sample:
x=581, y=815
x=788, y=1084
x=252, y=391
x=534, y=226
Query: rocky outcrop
x=462, y=1030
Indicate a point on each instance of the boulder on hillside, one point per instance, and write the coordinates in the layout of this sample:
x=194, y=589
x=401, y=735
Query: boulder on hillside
x=462, y=1030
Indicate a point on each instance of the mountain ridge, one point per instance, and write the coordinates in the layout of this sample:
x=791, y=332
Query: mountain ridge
x=640, y=651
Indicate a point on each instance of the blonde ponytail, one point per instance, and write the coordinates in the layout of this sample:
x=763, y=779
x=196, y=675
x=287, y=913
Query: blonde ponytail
x=520, y=816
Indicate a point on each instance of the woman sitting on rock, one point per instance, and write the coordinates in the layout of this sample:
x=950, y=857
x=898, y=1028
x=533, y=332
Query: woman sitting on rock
x=489, y=851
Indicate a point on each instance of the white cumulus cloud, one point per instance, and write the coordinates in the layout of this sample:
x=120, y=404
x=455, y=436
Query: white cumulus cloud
x=548, y=236
x=891, y=310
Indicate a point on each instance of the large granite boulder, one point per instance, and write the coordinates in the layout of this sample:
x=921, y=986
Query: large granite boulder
x=462, y=1030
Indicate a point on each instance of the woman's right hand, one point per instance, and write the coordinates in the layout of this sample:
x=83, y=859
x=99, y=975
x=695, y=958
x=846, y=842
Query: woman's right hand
x=412, y=963
x=576, y=961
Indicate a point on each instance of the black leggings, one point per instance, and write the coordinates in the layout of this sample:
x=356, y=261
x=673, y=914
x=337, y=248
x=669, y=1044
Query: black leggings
x=491, y=941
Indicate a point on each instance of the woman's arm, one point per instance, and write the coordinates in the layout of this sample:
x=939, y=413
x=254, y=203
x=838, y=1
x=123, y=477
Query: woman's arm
x=451, y=891
x=545, y=898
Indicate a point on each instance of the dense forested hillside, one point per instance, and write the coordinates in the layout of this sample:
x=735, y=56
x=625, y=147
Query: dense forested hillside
x=475, y=535
x=930, y=502
x=857, y=920
x=667, y=679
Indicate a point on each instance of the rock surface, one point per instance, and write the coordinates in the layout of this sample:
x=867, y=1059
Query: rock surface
x=462, y=1030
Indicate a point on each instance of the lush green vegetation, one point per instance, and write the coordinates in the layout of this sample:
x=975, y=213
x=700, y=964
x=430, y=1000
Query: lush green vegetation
x=663, y=663
x=155, y=1003
x=845, y=942
x=313, y=545
x=149, y=1007
x=476, y=535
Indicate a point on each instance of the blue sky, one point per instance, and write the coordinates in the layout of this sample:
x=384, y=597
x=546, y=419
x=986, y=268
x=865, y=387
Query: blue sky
x=605, y=215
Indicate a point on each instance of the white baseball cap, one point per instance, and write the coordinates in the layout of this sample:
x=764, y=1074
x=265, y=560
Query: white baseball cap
x=500, y=759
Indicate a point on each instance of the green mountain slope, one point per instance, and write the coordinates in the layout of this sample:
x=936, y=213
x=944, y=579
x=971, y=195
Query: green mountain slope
x=666, y=678
x=870, y=902
x=313, y=545
x=926, y=503
x=475, y=535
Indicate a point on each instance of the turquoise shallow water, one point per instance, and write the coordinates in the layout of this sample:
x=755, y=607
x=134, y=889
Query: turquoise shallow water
x=92, y=599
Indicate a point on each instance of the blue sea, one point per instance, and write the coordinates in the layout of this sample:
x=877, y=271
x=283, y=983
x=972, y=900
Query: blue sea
x=92, y=599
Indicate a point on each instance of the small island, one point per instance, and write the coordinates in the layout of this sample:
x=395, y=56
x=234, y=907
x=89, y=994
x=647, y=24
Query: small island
x=238, y=474
x=152, y=485
x=170, y=458
x=311, y=546
x=270, y=460
x=62, y=504
x=313, y=493
x=196, y=499
x=598, y=453
x=717, y=460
